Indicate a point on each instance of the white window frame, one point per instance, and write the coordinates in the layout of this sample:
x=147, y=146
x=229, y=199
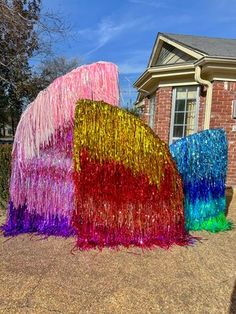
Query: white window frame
x=152, y=111
x=174, y=92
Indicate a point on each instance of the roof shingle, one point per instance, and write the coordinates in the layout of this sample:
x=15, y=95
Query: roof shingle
x=219, y=47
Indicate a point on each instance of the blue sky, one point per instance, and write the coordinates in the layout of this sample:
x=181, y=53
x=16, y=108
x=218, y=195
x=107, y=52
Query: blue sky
x=124, y=31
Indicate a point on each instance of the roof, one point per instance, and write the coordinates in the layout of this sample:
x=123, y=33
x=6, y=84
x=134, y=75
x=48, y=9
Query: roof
x=218, y=47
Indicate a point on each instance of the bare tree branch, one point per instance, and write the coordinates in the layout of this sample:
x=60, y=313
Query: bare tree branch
x=11, y=10
x=5, y=80
x=25, y=33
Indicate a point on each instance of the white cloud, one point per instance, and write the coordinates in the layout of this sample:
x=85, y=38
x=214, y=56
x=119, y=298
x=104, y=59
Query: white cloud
x=107, y=30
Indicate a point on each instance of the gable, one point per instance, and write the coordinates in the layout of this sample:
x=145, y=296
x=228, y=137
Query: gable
x=172, y=55
x=169, y=52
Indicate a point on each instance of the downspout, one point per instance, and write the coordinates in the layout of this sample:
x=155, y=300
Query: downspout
x=208, y=96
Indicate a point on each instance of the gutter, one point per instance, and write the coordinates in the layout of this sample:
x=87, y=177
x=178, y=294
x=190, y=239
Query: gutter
x=215, y=59
x=208, y=96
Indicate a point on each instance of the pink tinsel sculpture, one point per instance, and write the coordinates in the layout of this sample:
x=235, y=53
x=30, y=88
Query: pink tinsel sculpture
x=42, y=190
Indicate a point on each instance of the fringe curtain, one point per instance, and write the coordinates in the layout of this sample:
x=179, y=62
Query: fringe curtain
x=128, y=190
x=201, y=159
x=54, y=107
x=42, y=189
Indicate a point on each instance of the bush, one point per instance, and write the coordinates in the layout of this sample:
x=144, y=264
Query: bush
x=5, y=171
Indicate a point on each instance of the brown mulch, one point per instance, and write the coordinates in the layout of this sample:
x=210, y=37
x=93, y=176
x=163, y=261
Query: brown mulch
x=42, y=276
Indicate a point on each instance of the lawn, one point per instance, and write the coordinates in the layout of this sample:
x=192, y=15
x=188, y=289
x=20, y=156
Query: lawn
x=42, y=276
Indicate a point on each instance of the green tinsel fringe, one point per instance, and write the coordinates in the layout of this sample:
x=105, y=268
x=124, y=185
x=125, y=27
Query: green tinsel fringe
x=213, y=224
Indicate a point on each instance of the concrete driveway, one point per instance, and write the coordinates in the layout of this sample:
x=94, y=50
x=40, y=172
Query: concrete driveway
x=42, y=276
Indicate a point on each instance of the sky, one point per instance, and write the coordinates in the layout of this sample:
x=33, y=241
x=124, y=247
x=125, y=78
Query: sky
x=124, y=31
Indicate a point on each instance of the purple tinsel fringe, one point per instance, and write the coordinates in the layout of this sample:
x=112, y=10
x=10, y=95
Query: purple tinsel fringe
x=21, y=221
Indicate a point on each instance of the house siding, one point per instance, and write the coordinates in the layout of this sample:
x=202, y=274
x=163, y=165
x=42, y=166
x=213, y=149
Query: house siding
x=221, y=117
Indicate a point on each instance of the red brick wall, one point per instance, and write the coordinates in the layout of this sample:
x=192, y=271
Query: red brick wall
x=221, y=116
x=163, y=112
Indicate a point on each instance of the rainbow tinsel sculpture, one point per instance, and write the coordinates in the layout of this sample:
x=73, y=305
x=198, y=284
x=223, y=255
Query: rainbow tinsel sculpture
x=128, y=190
x=201, y=159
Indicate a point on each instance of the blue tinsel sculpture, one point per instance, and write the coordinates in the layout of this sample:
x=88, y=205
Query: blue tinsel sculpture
x=202, y=159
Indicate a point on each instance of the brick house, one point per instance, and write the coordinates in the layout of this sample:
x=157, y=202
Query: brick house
x=190, y=85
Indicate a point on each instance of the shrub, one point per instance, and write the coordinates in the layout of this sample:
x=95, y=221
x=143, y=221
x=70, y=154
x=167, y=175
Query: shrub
x=5, y=171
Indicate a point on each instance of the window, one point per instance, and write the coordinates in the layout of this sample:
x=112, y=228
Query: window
x=184, y=112
x=9, y=131
x=152, y=111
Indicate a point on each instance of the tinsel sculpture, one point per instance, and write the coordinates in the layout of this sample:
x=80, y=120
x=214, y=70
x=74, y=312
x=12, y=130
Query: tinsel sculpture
x=98, y=172
x=42, y=189
x=201, y=159
x=128, y=189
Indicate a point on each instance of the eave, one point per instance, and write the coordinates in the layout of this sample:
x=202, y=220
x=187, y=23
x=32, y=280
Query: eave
x=218, y=68
x=208, y=64
x=163, y=71
x=213, y=68
x=216, y=59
